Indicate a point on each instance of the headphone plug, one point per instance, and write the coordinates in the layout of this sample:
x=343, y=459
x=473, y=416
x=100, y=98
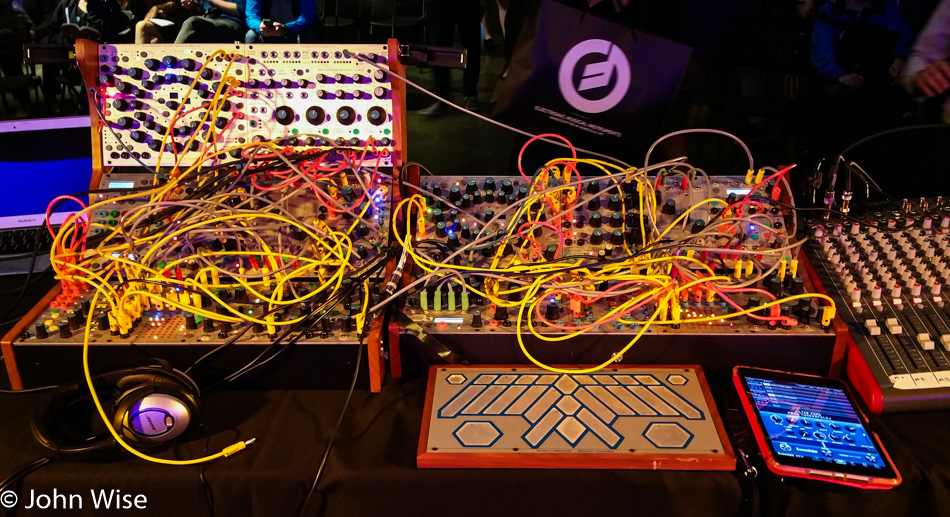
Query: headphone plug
x=238, y=447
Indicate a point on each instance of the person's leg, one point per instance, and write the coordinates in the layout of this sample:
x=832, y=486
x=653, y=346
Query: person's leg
x=470, y=16
x=252, y=36
x=441, y=34
x=199, y=29
x=147, y=32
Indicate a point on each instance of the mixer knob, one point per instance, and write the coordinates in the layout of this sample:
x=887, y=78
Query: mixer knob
x=40, y=330
x=64, y=331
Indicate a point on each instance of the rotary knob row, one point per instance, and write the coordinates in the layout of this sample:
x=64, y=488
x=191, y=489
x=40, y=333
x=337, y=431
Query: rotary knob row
x=316, y=115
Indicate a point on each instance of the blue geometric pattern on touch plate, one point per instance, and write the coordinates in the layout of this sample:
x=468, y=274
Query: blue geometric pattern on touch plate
x=574, y=405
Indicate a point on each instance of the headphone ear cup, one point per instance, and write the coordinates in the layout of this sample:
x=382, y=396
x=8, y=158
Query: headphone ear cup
x=153, y=407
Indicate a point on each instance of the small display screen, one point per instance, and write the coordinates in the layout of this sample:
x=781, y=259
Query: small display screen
x=815, y=425
x=739, y=192
x=122, y=184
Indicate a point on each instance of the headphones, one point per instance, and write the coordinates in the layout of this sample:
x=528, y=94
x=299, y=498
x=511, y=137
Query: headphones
x=150, y=405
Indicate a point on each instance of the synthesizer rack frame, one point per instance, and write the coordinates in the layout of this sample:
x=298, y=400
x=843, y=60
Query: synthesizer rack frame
x=28, y=365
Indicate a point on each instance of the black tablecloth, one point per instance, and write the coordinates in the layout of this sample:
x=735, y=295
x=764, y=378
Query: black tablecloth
x=371, y=470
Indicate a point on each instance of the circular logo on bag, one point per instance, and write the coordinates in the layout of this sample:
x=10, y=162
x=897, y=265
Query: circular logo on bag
x=594, y=76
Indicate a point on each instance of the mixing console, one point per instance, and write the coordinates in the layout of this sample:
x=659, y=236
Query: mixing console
x=887, y=277
x=500, y=235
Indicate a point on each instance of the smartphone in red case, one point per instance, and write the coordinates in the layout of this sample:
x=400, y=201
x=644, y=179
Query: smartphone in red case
x=811, y=427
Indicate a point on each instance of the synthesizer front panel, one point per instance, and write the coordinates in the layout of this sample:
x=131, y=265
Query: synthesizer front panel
x=887, y=272
x=171, y=104
x=604, y=225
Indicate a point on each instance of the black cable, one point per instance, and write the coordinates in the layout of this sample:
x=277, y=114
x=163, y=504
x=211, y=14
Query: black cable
x=23, y=472
x=209, y=495
x=31, y=390
x=336, y=430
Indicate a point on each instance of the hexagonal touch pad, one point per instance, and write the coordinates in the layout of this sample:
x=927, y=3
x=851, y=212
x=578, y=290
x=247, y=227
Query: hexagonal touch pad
x=624, y=417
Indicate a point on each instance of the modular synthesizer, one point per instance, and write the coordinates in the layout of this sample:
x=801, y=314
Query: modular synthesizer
x=886, y=272
x=241, y=201
x=574, y=270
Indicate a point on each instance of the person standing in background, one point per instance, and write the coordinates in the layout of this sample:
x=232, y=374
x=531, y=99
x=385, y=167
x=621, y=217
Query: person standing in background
x=281, y=21
x=446, y=15
x=928, y=71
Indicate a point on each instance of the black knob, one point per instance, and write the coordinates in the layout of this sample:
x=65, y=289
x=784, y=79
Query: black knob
x=74, y=320
x=353, y=142
x=489, y=184
x=189, y=64
x=440, y=230
x=190, y=322
x=339, y=78
x=507, y=187
x=477, y=319
x=316, y=115
x=207, y=325
x=136, y=73
x=125, y=88
x=170, y=61
x=257, y=327
x=616, y=238
x=322, y=78
x=40, y=330
x=614, y=203
x=269, y=83
x=125, y=122
x=453, y=240
x=303, y=83
x=346, y=323
x=798, y=285
x=380, y=92
x=120, y=104
x=596, y=220
x=552, y=312
x=669, y=208
x=64, y=331
x=102, y=321
x=384, y=142
x=501, y=312
x=550, y=252
x=774, y=286
x=593, y=204
x=698, y=226
x=489, y=198
x=346, y=115
x=455, y=194
x=593, y=187
x=153, y=64
x=207, y=74
x=376, y=115
x=597, y=237
x=616, y=220
x=339, y=94
x=284, y=115
x=286, y=83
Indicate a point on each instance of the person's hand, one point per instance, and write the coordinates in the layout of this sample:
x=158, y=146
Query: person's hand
x=897, y=68
x=852, y=81
x=189, y=4
x=271, y=31
x=935, y=79
x=281, y=29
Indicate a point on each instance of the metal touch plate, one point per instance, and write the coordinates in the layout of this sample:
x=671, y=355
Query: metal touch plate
x=635, y=417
